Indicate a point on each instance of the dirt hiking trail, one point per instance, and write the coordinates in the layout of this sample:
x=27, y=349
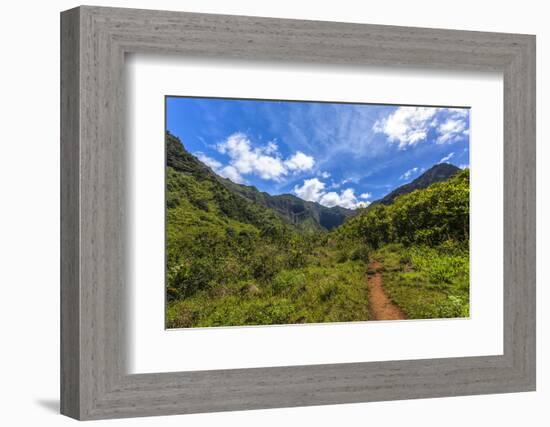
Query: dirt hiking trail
x=380, y=306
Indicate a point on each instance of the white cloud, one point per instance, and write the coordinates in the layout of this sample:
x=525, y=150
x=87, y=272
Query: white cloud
x=348, y=199
x=408, y=174
x=265, y=162
x=451, y=130
x=325, y=174
x=365, y=196
x=228, y=171
x=335, y=185
x=329, y=199
x=231, y=173
x=464, y=166
x=208, y=161
x=299, y=162
x=459, y=112
x=447, y=158
x=345, y=199
x=313, y=190
x=247, y=160
x=271, y=148
x=408, y=126
x=345, y=181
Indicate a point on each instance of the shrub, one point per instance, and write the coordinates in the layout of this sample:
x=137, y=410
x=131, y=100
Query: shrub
x=429, y=216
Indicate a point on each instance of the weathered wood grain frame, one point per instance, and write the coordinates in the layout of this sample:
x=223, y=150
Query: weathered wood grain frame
x=94, y=41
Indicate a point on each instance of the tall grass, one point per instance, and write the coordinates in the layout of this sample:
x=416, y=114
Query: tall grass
x=334, y=292
x=427, y=282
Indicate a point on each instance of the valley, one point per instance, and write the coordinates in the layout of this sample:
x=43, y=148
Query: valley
x=236, y=256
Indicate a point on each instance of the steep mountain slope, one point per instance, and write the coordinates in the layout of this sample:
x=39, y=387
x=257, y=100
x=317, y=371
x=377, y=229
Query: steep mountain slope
x=214, y=236
x=192, y=182
x=436, y=173
x=309, y=216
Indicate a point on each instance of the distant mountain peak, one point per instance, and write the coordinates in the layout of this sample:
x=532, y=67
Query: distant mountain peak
x=300, y=213
x=437, y=173
x=441, y=168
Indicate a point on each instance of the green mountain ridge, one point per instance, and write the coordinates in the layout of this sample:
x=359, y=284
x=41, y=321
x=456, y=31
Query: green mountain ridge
x=184, y=170
x=437, y=173
x=305, y=215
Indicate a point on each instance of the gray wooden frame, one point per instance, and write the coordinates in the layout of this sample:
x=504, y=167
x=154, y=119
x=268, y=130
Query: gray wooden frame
x=94, y=382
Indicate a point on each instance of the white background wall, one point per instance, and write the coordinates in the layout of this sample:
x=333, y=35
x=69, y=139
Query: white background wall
x=29, y=212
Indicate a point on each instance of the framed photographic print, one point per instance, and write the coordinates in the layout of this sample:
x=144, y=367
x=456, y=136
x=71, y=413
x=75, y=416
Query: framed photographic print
x=314, y=212
x=261, y=213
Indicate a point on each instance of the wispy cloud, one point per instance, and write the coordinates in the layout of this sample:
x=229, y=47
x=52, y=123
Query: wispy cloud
x=459, y=112
x=410, y=173
x=447, y=158
x=451, y=130
x=326, y=129
x=363, y=147
x=314, y=190
x=346, y=180
x=408, y=126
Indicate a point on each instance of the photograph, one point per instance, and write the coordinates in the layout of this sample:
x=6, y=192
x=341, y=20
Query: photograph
x=290, y=212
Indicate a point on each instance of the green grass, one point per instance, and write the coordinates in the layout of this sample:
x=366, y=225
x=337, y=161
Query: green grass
x=334, y=292
x=427, y=282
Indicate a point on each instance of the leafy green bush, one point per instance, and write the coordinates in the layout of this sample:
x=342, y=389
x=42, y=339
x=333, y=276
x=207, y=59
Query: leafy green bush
x=360, y=253
x=429, y=216
x=289, y=282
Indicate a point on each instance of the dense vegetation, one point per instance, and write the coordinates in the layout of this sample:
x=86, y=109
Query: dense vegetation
x=422, y=242
x=429, y=216
x=234, y=261
x=307, y=216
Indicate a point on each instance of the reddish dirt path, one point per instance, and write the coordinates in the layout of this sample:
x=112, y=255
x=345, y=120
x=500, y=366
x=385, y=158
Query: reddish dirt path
x=380, y=306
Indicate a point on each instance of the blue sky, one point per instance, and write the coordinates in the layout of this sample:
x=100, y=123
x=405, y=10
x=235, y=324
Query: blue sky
x=332, y=153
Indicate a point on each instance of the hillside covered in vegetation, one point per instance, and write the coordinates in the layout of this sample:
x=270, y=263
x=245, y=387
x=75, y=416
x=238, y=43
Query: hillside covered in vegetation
x=237, y=256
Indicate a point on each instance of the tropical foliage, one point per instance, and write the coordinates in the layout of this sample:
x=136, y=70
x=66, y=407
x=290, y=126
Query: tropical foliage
x=430, y=216
x=231, y=261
